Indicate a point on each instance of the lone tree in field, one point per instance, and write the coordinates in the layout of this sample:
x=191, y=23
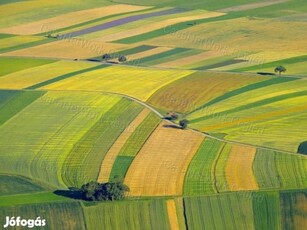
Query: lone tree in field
x=280, y=69
x=184, y=123
x=122, y=58
x=302, y=148
x=94, y=191
x=106, y=57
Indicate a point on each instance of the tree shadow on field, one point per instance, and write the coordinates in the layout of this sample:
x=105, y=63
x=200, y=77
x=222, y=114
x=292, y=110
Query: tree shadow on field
x=172, y=126
x=73, y=193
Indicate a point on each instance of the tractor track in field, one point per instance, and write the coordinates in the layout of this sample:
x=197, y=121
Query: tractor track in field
x=162, y=117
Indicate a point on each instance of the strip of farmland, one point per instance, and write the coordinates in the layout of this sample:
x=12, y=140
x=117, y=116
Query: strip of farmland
x=108, y=161
x=159, y=168
x=121, y=22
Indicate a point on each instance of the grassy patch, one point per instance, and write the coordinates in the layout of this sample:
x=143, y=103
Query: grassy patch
x=65, y=76
x=10, y=65
x=18, y=103
x=6, y=35
x=199, y=177
x=291, y=170
x=153, y=58
x=265, y=169
x=246, y=88
x=266, y=210
x=27, y=45
x=120, y=166
x=253, y=105
x=84, y=160
x=30, y=198
x=226, y=211
x=58, y=215
x=148, y=214
x=140, y=135
x=15, y=184
x=6, y=95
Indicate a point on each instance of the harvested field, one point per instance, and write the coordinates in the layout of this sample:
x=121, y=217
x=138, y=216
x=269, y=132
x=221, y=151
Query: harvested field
x=172, y=214
x=160, y=166
x=108, y=161
x=239, y=169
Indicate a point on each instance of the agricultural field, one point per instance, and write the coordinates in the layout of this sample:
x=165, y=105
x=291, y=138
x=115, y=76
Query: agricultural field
x=139, y=83
x=133, y=114
x=153, y=172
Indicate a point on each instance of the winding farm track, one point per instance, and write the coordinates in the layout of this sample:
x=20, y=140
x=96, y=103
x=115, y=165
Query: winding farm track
x=153, y=109
x=161, y=116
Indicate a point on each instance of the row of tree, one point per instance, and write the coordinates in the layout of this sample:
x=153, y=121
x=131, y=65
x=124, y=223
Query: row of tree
x=110, y=191
x=121, y=58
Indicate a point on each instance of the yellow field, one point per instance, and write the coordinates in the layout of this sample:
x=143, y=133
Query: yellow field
x=69, y=49
x=137, y=56
x=272, y=55
x=195, y=94
x=190, y=60
x=139, y=28
x=254, y=96
x=239, y=169
x=160, y=166
x=108, y=161
x=18, y=40
x=148, y=53
x=28, y=77
x=69, y=19
x=140, y=83
x=241, y=35
x=172, y=214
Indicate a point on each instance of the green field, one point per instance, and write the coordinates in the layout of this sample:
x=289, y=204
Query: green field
x=11, y=65
x=15, y=184
x=133, y=145
x=266, y=209
x=83, y=161
x=128, y=215
x=199, y=177
x=231, y=211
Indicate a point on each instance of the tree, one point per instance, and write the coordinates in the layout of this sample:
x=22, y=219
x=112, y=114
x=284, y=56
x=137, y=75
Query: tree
x=171, y=116
x=94, y=191
x=184, y=123
x=280, y=69
x=106, y=57
x=302, y=148
x=122, y=58
x=88, y=190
